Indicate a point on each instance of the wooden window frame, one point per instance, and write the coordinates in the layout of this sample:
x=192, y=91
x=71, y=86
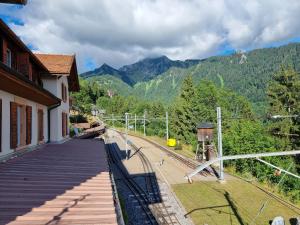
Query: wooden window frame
x=13, y=125
x=28, y=123
x=25, y=125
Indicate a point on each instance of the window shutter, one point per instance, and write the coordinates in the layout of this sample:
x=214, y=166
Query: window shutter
x=0, y=125
x=4, y=48
x=62, y=91
x=41, y=125
x=30, y=71
x=28, y=124
x=13, y=125
x=23, y=63
x=65, y=93
x=67, y=124
x=63, y=124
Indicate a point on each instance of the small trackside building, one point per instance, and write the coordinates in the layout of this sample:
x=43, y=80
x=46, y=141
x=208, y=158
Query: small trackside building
x=30, y=99
x=61, y=79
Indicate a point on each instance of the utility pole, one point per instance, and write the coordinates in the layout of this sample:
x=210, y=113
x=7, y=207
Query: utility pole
x=144, y=124
x=126, y=132
x=220, y=148
x=135, y=123
x=167, y=125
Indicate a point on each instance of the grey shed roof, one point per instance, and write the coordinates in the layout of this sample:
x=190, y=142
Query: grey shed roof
x=205, y=125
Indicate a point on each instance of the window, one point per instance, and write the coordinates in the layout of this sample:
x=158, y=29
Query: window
x=40, y=125
x=8, y=57
x=63, y=92
x=64, y=123
x=17, y=125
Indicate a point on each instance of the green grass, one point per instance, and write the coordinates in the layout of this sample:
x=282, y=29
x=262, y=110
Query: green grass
x=234, y=202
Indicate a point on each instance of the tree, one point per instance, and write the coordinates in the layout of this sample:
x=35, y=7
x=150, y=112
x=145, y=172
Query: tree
x=184, y=112
x=245, y=136
x=284, y=99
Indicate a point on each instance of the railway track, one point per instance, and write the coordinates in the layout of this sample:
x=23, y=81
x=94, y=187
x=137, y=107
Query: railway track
x=159, y=209
x=188, y=162
x=134, y=188
x=193, y=165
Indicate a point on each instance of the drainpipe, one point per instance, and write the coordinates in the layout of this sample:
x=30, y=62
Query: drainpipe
x=49, y=121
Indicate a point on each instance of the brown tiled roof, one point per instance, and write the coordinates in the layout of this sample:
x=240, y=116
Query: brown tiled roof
x=57, y=64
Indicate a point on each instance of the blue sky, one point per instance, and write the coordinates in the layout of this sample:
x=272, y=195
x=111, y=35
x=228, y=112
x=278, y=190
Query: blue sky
x=119, y=32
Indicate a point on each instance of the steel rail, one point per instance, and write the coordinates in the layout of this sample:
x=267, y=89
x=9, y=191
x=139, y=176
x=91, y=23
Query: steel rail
x=132, y=186
x=185, y=161
x=153, y=188
x=149, y=182
x=189, y=163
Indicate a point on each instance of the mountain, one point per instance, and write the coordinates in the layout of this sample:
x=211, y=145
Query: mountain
x=149, y=68
x=245, y=73
x=107, y=70
x=109, y=82
x=144, y=70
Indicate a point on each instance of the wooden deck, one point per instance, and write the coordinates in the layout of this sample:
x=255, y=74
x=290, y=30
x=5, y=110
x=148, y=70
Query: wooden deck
x=58, y=184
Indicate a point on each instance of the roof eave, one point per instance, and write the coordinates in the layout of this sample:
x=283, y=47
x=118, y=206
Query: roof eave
x=14, y=76
x=19, y=2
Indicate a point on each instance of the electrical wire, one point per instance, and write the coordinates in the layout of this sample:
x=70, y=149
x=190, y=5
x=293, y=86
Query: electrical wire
x=264, y=205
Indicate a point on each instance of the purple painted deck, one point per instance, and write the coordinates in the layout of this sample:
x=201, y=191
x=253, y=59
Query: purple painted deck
x=58, y=184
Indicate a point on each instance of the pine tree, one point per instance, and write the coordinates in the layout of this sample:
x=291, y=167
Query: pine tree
x=184, y=112
x=284, y=99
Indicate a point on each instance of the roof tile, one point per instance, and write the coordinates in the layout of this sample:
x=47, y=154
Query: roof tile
x=57, y=64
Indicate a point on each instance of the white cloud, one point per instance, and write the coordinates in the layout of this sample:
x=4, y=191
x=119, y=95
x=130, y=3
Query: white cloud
x=122, y=31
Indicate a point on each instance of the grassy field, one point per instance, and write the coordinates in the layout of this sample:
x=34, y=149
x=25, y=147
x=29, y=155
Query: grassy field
x=234, y=202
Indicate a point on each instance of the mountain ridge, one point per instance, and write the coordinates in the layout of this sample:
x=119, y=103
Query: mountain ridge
x=142, y=70
x=245, y=73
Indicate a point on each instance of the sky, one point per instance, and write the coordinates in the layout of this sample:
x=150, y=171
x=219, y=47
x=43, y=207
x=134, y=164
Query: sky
x=119, y=32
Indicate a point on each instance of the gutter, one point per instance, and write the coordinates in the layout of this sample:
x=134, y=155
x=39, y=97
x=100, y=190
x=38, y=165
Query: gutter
x=49, y=120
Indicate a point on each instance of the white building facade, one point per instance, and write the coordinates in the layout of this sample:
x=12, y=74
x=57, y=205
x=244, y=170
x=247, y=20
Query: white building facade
x=34, y=95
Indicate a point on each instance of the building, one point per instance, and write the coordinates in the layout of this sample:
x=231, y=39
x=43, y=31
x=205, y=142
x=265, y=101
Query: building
x=34, y=91
x=61, y=78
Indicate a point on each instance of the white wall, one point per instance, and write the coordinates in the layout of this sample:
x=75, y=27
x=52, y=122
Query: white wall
x=53, y=85
x=6, y=99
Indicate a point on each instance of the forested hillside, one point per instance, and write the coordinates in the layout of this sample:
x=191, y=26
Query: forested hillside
x=247, y=74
